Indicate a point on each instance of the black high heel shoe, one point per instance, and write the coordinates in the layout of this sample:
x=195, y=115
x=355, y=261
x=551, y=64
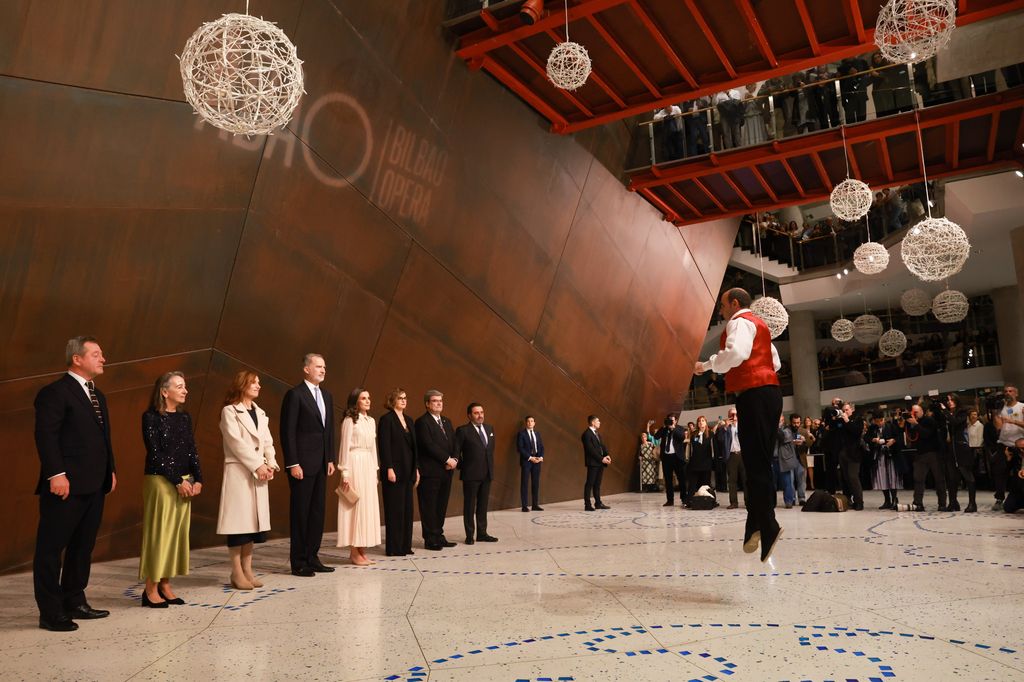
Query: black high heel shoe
x=153, y=604
x=177, y=601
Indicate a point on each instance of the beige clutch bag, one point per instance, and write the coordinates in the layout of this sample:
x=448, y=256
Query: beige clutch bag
x=350, y=495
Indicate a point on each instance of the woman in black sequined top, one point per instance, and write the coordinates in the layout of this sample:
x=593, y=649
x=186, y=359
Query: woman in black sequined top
x=172, y=479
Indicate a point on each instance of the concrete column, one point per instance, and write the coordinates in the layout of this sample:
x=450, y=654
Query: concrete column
x=803, y=358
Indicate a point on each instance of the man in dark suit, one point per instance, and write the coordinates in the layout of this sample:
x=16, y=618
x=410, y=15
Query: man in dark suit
x=530, y=446
x=435, y=441
x=474, y=448
x=596, y=458
x=307, y=439
x=72, y=436
x=673, y=458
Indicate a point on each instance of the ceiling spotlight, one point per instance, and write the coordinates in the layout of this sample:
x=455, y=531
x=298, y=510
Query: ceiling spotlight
x=839, y=275
x=846, y=271
x=1020, y=174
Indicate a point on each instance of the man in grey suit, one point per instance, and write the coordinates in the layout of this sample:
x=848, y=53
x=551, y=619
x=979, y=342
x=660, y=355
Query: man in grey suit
x=474, y=448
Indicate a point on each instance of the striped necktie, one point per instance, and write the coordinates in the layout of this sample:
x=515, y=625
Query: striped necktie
x=95, y=401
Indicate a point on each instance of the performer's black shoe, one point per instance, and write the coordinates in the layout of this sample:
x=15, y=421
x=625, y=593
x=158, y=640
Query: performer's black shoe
x=537, y=508
x=85, y=612
x=768, y=543
x=751, y=541
x=59, y=624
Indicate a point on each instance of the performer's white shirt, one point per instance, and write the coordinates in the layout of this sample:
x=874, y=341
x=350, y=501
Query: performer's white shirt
x=739, y=341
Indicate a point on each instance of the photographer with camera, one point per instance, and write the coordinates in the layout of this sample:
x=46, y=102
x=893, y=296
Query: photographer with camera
x=963, y=458
x=883, y=440
x=923, y=433
x=850, y=429
x=1008, y=419
x=831, y=443
x=673, y=458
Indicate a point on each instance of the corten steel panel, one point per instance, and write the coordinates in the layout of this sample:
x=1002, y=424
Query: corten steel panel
x=126, y=46
x=128, y=387
x=152, y=282
x=79, y=147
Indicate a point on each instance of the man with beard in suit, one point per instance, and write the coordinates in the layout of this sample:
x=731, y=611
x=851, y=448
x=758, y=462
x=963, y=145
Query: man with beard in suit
x=72, y=434
x=596, y=458
x=307, y=438
x=474, y=448
x=435, y=440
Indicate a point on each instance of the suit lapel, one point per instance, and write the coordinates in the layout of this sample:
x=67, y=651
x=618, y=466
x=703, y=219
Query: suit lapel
x=79, y=393
x=243, y=416
x=307, y=398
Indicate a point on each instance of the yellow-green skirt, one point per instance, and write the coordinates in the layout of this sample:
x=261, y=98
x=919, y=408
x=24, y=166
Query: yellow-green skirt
x=166, y=517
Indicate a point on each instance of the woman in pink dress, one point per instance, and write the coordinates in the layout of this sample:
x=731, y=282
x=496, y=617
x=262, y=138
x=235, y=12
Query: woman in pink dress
x=358, y=522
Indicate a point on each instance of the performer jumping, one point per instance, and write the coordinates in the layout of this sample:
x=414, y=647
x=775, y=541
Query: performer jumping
x=749, y=360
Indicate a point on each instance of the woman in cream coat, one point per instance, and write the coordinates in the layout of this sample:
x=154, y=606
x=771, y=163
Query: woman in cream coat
x=249, y=466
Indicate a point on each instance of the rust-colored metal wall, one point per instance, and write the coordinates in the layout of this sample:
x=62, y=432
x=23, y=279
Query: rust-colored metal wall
x=415, y=223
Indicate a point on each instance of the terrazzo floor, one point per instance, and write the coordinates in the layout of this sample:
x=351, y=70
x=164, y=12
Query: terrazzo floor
x=637, y=592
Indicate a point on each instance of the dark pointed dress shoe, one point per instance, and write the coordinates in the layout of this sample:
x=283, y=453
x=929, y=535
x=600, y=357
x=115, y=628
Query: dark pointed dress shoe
x=319, y=567
x=769, y=541
x=85, y=612
x=487, y=538
x=153, y=604
x=177, y=601
x=434, y=548
x=445, y=543
x=602, y=505
x=469, y=541
x=60, y=624
x=525, y=509
x=303, y=572
x=537, y=508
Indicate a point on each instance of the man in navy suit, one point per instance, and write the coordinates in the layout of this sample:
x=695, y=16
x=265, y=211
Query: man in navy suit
x=474, y=448
x=531, y=455
x=307, y=439
x=596, y=458
x=435, y=452
x=72, y=434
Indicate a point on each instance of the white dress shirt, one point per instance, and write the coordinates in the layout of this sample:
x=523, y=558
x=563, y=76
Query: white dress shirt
x=739, y=341
x=975, y=434
x=672, y=111
x=81, y=382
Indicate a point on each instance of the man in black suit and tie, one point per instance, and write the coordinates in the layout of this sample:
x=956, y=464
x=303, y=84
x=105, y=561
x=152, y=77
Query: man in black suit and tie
x=72, y=436
x=307, y=438
x=474, y=448
x=435, y=442
x=531, y=455
x=596, y=457
x=673, y=458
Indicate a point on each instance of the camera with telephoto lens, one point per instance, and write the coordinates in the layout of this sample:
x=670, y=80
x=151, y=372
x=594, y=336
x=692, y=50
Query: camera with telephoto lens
x=995, y=402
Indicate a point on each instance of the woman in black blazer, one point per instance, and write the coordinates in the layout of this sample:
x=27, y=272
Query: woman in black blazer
x=396, y=449
x=702, y=457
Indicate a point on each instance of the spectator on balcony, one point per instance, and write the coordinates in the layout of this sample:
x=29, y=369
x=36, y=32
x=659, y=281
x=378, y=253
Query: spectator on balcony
x=695, y=125
x=731, y=112
x=671, y=124
x=890, y=91
x=854, y=88
x=755, y=117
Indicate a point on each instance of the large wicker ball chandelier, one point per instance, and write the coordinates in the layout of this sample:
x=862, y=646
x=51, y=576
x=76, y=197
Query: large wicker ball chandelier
x=842, y=330
x=568, y=65
x=910, y=31
x=773, y=313
x=950, y=306
x=242, y=74
x=892, y=343
x=867, y=328
x=851, y=199
x=871, y=258
x=935, y=249
x=915, y=302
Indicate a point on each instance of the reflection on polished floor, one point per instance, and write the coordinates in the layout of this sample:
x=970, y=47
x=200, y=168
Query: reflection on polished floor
x=638, y=592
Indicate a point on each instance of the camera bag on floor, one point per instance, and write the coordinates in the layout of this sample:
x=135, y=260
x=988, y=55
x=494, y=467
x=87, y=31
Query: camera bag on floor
x=820, y=501
x=704, y=498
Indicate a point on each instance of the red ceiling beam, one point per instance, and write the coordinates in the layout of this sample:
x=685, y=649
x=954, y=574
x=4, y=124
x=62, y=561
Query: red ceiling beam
x=805, y=19
x=826, y=140
x=679, y=195
x=663, y=43
x=736, y=188
x=490, y=20
x=536, y=66
x=670, y=215
x=520, y=88
x=750, y=17
x=711, y=195
x=764, y=183
x=990, y=149
x=623, y=55
x=698, y=16
x=792, y=177
x=594, y=75
x=851, y=9
x=879, y=184
x=883, y=156
x=826, y=181
x=481, y=42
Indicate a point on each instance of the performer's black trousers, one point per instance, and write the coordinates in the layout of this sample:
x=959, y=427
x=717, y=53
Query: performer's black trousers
x=674, y=464
x=474, y=503
x=433, y=496
x=67, y=526
x=594, y=476
x=306, y=508
x=758, y=411
x=397, y=515
x=531, y=476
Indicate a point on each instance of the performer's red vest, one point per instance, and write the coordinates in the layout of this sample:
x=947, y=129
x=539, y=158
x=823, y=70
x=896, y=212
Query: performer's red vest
x=758, y=369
